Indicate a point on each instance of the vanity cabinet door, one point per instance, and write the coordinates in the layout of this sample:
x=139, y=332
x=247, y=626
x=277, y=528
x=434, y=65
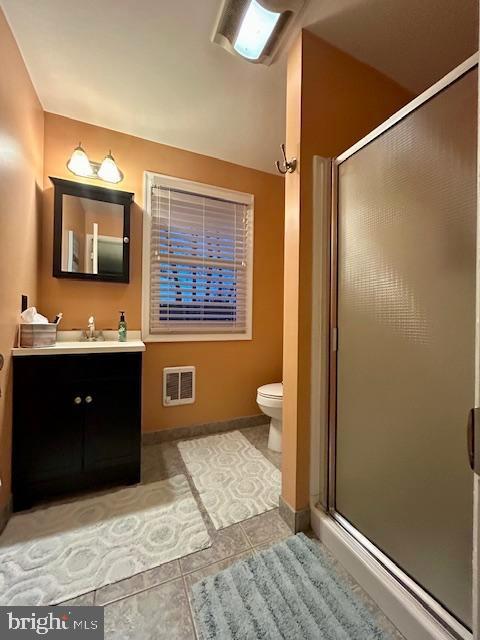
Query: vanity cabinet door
x=112, y=419
x=48, y=434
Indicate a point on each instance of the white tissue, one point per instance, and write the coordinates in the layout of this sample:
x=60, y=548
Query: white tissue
x=31, y=316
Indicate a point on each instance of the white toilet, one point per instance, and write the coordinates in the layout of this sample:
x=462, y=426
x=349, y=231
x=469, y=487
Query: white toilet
x=270, y=401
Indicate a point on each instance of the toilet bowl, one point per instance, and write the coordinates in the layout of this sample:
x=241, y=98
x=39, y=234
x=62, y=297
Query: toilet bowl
x=270, y=401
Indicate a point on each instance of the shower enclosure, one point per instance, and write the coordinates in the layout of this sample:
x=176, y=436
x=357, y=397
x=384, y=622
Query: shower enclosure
x=401, y=356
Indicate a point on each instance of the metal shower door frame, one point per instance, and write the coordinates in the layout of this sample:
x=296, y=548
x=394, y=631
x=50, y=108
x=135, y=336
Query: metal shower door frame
x=328, y=494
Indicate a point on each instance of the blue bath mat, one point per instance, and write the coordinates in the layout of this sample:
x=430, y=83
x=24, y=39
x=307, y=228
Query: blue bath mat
x=290, y=591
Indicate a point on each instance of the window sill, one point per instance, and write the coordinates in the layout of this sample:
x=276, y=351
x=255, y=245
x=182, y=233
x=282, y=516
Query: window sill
x=196, y=337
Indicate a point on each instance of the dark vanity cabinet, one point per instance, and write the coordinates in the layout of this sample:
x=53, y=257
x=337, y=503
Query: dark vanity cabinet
x=76, y=424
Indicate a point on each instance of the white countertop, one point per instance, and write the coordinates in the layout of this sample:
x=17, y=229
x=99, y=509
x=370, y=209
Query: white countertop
x=68, y=343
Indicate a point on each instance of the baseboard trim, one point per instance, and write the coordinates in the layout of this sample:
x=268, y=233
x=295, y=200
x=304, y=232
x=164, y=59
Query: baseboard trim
x=5, y=513
x=167, y=435
x=399, y=605
x=296, y=520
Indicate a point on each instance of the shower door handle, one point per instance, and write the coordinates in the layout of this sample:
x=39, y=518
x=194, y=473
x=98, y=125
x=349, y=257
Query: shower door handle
x=472, y=439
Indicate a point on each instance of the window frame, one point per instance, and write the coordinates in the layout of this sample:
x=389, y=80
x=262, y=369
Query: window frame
x=198, y=188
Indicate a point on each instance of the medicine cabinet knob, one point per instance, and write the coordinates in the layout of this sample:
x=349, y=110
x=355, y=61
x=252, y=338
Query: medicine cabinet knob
x=126, y=240
x=88, y=399
x=77, y=400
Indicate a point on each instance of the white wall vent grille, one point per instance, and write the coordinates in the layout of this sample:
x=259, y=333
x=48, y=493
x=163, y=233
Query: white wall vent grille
x=178, y=386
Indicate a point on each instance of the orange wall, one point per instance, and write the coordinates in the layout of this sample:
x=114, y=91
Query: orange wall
x=290, y=460
x=21, y=158
x=333, y=100
x=228, y=373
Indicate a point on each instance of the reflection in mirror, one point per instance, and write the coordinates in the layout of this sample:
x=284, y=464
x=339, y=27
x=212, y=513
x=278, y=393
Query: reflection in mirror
x=92, y=236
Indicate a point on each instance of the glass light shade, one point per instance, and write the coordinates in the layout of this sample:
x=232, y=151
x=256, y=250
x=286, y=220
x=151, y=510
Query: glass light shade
x=109, y=171
x=79, y=164
x=257, y=27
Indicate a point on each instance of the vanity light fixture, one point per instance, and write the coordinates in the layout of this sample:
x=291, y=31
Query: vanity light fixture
x=108, y=170
x=80, y=165
x=256, y=29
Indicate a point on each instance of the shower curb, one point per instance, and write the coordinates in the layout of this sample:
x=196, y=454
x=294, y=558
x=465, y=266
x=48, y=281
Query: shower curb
x=400, y=605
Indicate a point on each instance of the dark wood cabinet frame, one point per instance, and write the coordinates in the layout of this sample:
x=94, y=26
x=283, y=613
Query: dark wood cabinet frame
x=70, y=188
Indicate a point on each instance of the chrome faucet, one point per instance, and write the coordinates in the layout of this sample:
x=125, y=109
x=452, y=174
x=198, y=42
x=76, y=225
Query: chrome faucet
x=91, y=328
x=90, y=334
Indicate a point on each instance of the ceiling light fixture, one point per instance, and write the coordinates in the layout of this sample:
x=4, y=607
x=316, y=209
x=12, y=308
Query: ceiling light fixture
x=256, y=29
x=80, y=165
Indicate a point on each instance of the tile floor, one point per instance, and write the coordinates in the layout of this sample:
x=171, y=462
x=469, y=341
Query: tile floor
x=156, y=604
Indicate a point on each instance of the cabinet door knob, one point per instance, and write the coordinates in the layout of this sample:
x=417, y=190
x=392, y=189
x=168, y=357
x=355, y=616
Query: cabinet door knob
x=77, y=400
x=88, y=399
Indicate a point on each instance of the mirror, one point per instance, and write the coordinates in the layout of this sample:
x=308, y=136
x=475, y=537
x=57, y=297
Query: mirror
x=92, y=236
x=91, y=232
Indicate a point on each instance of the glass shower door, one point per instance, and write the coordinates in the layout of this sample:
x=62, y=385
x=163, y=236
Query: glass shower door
x=405, y=318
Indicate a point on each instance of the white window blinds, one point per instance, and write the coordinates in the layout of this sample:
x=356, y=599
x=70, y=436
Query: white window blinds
x=200, y=262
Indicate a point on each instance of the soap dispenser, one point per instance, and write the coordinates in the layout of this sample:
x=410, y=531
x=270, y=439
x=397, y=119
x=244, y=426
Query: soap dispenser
x=122, y=328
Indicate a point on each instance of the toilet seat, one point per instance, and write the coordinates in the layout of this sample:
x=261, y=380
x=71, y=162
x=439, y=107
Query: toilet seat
x=273, y=391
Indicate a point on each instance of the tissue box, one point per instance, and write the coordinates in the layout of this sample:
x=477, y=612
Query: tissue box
x=38, y=335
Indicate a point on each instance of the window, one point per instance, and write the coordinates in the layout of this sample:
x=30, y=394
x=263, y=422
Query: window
x=198, y=251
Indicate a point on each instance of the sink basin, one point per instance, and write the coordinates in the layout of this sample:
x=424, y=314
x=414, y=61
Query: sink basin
x=97, y=337
x=71, y=343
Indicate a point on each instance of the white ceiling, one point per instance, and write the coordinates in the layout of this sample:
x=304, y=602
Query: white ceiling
x=148, y=67
x=415, y=42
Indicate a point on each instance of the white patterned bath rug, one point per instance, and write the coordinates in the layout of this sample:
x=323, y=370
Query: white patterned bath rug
x=234, y=480
x=50, y=555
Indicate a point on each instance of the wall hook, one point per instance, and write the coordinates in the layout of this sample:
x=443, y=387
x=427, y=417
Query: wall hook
x=287, y=166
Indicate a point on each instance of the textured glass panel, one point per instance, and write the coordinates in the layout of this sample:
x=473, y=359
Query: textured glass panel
x=406, y=313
